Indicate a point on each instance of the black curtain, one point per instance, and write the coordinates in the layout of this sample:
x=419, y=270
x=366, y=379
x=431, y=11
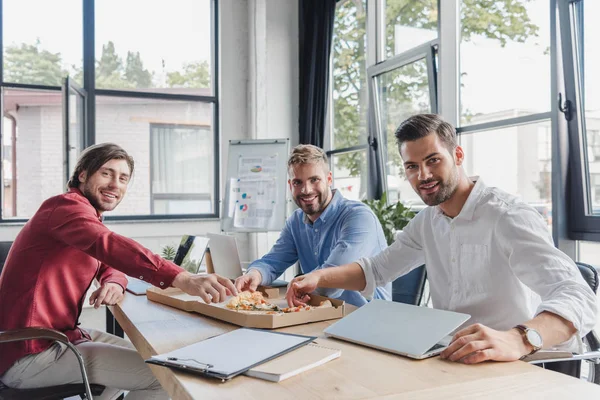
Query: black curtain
x=316, y=30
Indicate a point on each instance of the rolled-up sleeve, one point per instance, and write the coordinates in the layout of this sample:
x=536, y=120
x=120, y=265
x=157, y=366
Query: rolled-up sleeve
x=358, y=237
x=404, y=255
x=281, y=256
x=545, y=269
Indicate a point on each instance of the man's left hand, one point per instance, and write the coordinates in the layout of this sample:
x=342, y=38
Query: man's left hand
x=478, y=343
x=109, y=293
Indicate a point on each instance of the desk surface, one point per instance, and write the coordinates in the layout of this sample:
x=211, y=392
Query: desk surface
x=360, y=373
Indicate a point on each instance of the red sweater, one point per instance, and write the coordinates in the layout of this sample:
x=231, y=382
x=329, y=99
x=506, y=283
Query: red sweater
x=53, y=262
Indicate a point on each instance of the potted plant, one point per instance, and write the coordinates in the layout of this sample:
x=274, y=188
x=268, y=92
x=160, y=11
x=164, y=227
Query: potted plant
x=393, y=217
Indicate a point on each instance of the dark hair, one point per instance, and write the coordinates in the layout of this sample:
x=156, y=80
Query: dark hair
x=94, y=157
x=421, y=125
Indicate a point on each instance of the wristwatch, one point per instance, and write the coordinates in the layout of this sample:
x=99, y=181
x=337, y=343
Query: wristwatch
x=532, y=337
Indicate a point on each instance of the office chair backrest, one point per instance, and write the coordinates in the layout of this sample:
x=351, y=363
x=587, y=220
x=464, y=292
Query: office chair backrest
x=590, y=275
x=4, y=249
x=408, y=289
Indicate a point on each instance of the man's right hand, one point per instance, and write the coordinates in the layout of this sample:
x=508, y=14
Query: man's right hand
x=300, y=287
x=249, y=281
x=212, y=288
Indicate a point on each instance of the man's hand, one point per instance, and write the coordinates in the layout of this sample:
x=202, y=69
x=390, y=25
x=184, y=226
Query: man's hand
x=109, y=293
x=478, y=343
x=212, y=288
x=249, y=281
x=299, y=287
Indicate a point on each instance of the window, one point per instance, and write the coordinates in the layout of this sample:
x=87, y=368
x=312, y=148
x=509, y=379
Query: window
x=151, y=90
x=580, y=66
x=348, y=130
x=170, y=47
x=32, y=141
x=401, y=87
x=509, y=158
x=35, y=51
x=409, y=24
x=350, y=174
x=181, y=165
x=504, y=47
x=173, y=145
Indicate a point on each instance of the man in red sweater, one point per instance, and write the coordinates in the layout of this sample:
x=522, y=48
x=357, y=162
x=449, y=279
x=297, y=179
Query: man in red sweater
x=52, y=264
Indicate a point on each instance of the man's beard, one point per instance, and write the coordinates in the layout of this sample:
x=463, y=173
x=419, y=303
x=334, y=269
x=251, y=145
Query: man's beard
x=445, y=191
x=311, y=209
x=94, y=200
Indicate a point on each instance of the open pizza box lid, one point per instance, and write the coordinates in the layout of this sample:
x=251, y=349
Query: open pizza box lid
x=178, y=299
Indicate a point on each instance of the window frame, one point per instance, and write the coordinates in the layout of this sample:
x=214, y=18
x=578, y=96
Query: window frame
x=426, y=51
x=89, y=61
x=583, y=224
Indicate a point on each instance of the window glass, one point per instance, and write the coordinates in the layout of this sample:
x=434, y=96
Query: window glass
x=409, y=24
x=181, y=156
x=401, y=93
x=515, y=159
x=350, y=95
x=504, y=59
x=172, y=143
x=35, y=50
x=167, y=48
x=591, y=94
x=32, y=150
x=350, y=174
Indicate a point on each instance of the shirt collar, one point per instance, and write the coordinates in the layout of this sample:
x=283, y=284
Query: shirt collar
x=468, y=208
x=78, y=192
x=330, y=211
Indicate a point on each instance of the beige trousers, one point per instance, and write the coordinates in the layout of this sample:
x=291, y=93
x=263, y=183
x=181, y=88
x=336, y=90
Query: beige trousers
x=109, y=361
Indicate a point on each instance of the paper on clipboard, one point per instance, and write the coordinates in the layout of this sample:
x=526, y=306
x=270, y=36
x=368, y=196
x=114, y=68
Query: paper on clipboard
x=232, y=353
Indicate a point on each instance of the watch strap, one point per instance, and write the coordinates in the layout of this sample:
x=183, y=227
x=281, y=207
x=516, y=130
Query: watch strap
x=523, y=329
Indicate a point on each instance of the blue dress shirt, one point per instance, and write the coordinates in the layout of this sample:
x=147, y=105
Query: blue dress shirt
x=346, y=231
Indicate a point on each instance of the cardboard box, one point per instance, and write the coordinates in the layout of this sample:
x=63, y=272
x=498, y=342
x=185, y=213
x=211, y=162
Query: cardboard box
x=178, y=299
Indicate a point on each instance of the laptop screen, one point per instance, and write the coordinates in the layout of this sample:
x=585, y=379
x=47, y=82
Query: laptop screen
x=191, y=252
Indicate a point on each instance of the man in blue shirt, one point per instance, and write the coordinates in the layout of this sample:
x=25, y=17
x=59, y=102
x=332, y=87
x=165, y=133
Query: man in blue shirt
x=326, y=231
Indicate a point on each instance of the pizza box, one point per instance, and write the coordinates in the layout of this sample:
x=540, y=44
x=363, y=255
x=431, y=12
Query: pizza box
x=176, y=298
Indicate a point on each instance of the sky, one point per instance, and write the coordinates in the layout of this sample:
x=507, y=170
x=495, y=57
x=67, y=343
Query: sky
x=177, y=31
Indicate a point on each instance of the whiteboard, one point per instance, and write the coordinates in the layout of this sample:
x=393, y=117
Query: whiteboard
x=256, y=187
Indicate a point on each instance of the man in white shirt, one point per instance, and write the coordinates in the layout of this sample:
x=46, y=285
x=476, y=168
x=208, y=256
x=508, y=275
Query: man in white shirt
x=487, y=254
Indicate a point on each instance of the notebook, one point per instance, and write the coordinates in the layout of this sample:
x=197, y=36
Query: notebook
x=232, y=353
x=294, y=363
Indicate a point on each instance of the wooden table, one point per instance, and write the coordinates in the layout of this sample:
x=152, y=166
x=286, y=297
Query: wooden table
x=360, y=372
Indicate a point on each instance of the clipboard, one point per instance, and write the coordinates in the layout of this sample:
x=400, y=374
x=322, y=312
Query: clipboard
x=230, y=354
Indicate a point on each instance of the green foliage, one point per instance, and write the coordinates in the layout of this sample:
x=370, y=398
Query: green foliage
x=195, y=75
x=501, y=20
x=168, y=252
x=135, y=72
x=393, y=217
x=31, y=64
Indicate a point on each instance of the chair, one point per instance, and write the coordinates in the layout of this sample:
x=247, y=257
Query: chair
x=4, y=249
x=409, y=288
x=52, y=392
x=591, y=340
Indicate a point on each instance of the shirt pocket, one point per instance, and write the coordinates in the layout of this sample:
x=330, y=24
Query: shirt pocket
x=474, y=269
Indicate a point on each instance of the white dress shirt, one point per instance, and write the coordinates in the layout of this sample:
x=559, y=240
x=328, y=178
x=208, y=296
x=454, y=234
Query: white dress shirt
x=495, y=261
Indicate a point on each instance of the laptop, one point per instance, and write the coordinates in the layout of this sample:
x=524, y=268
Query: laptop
x=407, y=330
x=226, y=258
x=189, y=256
